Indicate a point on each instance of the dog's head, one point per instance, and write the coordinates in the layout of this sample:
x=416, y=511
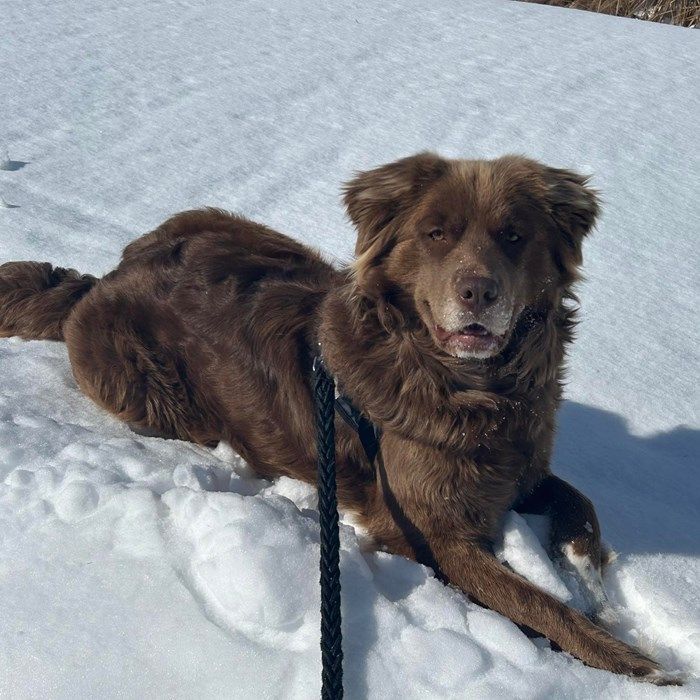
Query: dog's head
x=469, y=244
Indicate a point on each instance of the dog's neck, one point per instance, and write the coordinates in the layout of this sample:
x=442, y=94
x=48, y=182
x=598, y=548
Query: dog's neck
x=389, y=366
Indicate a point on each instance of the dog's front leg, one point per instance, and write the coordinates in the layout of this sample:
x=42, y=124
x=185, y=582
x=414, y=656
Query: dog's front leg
x=574, y=537
x=438, y=533
x=471, y=567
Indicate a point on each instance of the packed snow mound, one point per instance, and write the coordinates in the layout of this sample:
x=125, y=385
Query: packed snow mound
x=140, y=567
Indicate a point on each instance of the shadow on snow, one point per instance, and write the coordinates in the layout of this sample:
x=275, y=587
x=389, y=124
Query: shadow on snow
x=645, y=489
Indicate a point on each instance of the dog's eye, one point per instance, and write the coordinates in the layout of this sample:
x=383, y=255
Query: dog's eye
x=512, y=236
x=437, y=234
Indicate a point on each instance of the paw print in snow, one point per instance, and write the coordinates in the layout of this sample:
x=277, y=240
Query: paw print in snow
x=7, y=164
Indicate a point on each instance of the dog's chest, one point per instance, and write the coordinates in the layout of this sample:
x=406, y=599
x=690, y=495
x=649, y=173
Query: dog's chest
x=508, y=445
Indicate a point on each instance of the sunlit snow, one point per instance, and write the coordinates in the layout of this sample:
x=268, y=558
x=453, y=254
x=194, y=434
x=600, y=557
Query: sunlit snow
x=136, y=567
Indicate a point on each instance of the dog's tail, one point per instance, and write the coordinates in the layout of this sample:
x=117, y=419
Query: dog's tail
x=36, y=298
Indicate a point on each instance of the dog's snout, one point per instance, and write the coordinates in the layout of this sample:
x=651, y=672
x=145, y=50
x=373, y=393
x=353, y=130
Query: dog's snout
x=476, y=293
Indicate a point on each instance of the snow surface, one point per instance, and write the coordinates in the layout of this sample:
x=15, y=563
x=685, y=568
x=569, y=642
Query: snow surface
x=135, y=567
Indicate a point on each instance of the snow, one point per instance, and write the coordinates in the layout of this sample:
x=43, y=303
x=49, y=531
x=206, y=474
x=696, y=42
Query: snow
x=133, y=566
x=522, y=549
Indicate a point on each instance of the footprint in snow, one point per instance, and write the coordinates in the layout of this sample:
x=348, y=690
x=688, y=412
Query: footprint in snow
x=9, y=165
x=7, y=205
x=6, y=163
x=12, y=165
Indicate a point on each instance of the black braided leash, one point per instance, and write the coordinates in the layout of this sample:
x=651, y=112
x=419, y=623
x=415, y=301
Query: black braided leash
x=331, y=634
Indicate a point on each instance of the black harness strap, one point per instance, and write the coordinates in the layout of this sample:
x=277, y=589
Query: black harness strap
x=368, y=433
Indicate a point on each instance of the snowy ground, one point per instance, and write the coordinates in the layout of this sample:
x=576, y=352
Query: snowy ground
x=134, y=567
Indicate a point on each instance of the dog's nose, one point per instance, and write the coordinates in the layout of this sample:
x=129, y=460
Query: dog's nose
x=476, y=293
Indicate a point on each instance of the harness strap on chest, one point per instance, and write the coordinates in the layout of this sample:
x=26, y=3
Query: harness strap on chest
x=368, y=433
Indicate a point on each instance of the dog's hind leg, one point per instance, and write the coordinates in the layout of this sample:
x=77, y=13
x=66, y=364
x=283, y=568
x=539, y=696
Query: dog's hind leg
x=127, y=352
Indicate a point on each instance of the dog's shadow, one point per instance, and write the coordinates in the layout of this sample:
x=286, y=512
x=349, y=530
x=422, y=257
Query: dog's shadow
x=645, y=489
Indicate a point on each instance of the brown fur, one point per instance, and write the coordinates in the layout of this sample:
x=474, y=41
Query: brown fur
x=36, y=298
x=207, y=330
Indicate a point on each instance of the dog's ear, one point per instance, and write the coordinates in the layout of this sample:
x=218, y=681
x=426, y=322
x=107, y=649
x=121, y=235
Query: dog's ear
x=574, y=208
x=375, y=198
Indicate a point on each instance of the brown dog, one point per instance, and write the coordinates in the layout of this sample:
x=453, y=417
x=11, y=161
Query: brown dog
x=448, y=331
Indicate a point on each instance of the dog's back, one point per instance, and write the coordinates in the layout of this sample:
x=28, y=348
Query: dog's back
x=195, y=306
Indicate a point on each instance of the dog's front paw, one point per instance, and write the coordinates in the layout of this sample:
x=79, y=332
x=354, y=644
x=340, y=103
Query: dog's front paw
x=584, y=579
x=605, y=615
x=661, y=677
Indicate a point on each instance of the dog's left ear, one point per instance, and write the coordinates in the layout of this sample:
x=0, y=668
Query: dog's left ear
x=574, y=207
x=375, y=199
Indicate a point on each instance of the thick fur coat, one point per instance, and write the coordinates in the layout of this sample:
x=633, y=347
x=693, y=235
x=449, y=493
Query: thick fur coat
x=449, y=332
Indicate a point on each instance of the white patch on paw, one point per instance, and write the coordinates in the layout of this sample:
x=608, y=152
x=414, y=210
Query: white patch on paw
x=591, y=585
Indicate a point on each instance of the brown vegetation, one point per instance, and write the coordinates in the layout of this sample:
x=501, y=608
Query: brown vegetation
x=685, y=13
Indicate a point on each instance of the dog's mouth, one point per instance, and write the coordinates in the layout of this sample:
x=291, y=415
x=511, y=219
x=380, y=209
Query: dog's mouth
x=472, y=340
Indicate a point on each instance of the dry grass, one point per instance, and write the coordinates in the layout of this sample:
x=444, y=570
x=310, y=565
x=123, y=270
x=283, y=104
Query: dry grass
x=685, y=13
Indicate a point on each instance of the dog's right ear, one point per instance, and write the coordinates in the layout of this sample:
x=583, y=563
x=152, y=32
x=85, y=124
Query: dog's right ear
x=375, y=198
